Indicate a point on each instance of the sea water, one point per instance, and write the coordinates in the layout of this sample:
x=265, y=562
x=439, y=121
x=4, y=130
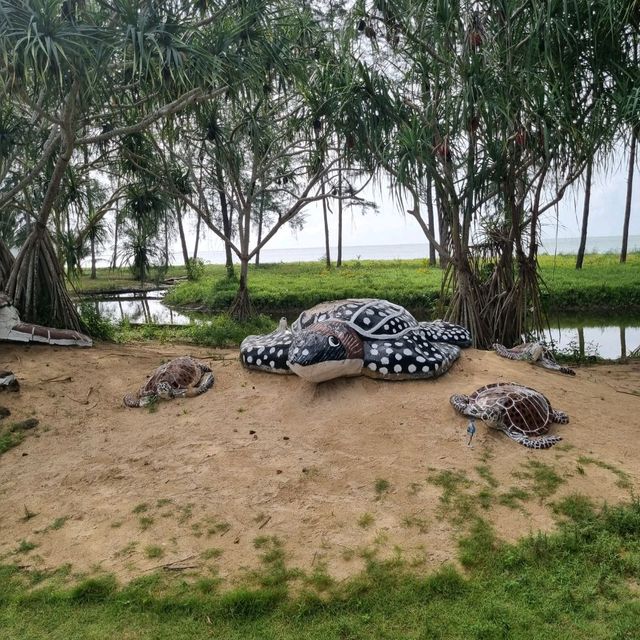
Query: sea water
x=558, y=246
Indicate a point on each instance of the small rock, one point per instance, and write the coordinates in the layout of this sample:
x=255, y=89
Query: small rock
x=285, y=437
x=278, y=471
x=24, y=425
x=251, y=432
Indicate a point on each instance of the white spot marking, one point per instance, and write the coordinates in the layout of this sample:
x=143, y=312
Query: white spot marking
x=412, y=368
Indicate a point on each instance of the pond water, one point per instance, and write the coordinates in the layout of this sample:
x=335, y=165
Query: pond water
x=139, y=308
x=607, y=336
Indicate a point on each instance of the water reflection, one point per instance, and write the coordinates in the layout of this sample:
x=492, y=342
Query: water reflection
x=140, y=308
x=609, y=337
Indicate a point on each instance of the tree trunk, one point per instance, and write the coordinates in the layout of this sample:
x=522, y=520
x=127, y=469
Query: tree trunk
x=116, y=223
x=327, y=245
x=36, y=283
x=260, y=220
x=6, y=263
x=444, y=232
x=166, y=240
x=339, y=256
x=623, y=343
x=183, y=239
x=226, y=222
x=627, y=207
x=93, y=257
x=430, y=217
x=585, y=216
x=241, y=308
x=197, y=242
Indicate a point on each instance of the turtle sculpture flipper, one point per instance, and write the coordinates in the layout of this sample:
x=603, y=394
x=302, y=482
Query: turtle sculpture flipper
x=183, y=377
x=524, y=414
x=535, y=353
x=441, y=331
x=12, y=329
x=268, y=352
x=352, y=337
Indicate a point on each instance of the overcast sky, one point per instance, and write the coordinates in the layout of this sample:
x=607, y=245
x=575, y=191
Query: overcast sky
x=390, y=227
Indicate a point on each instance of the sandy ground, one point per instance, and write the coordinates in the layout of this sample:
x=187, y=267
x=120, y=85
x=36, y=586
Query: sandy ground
x=267, y=455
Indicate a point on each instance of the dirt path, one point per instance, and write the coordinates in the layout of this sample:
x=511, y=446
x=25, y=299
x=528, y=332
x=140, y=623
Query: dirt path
x=335, y=471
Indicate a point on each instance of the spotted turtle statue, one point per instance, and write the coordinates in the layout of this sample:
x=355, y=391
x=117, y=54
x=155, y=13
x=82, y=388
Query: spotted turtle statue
x=351, y=337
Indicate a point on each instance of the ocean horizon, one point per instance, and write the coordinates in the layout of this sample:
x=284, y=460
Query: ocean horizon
x=550, y=246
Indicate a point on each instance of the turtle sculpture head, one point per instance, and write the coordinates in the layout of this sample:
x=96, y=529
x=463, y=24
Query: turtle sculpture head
x=326, y=350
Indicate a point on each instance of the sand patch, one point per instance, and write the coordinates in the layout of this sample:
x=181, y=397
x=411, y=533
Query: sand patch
x=265, y=455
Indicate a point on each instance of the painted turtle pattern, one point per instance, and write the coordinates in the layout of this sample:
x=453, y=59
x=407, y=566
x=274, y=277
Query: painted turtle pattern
x=183, y=377
x=535, y=353
x=366, y=336
x=524, y=414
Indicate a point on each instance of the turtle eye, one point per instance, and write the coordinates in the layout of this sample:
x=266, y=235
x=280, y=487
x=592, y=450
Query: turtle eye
x=333, y=341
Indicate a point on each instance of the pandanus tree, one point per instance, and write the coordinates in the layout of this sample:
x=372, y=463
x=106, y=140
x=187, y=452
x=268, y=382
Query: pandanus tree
x=88, y=72
x=498, y=105
x=265, y=149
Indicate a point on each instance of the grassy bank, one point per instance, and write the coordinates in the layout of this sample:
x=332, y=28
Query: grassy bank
x=580, y=582
x=602, y=283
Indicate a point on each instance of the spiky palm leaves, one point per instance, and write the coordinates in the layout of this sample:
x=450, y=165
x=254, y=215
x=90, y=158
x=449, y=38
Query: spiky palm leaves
x=143, y=213
x=500, y=105
x=89, y=72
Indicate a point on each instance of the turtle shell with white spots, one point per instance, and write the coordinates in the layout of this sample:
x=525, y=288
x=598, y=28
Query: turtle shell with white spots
x=357, y=336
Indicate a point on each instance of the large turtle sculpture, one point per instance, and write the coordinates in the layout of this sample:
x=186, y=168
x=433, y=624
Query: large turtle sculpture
x=358, y=336
x=13, y=329
x=183, y=377
x=524, y=414
x=535, y=353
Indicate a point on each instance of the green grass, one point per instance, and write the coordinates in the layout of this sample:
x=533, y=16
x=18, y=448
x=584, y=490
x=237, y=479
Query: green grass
x=542, y=478
x=291, y=287
x=623, y=481
x=381, y=486
x=603, y=282
x=10, y=439
x=580, y=582
x=153, y=551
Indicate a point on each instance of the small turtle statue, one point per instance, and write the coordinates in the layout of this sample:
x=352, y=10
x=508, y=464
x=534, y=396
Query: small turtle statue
x=8, y=381
x=524, y=414
x=358, y=336
x=535, y=353
x=183, y=377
